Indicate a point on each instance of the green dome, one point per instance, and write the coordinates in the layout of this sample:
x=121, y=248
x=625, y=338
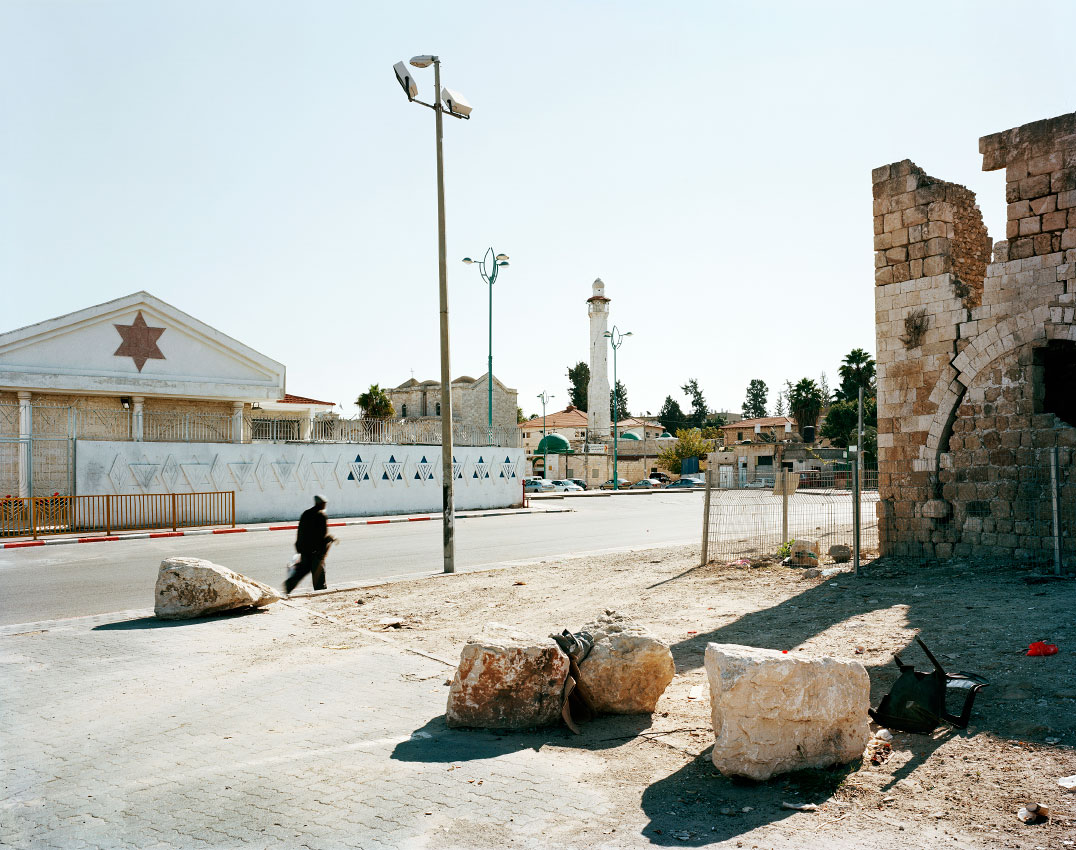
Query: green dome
x=628, y=435
x=666, y=436
x=553, y=444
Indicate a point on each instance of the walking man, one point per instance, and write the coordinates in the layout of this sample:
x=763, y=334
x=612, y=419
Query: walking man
x=312, y=542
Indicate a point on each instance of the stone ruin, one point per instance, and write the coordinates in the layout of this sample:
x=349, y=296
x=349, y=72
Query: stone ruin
x=976, y=353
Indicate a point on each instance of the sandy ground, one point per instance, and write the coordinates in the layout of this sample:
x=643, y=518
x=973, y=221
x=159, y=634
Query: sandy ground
x=952, y=789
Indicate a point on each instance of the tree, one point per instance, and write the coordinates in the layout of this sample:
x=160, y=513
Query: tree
x=621, y=396
x=579, y=381
x=805, y=402
x=823, y=384
x=689, y=443
x=842, y=421
x=671, y=416
x=754, y=405
x=375, y=403
x=698, y=403
x=779, y=410
x=520, y=418
x=857, y=370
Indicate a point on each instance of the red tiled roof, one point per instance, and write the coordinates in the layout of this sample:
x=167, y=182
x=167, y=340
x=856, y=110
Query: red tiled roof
x=300, y=399
x=570, y=417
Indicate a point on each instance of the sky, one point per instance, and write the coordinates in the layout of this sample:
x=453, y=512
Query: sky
x=255, y=164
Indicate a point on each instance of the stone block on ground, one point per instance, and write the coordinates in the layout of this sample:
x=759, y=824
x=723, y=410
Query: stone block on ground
x=628, y=668
x=840, y=553
x=507, y=680
x=805, y=553
x=775, y=712
x=192, y=587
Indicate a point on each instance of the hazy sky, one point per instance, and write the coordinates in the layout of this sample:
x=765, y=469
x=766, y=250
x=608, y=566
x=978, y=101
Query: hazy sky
x=256, y=165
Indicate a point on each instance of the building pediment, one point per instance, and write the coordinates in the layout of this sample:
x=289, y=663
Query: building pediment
x=136, y=345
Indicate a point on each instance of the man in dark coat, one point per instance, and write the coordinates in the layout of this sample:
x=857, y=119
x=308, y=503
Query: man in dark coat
x=312, y=542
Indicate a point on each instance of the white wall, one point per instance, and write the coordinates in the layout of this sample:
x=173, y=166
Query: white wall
x=277, y=481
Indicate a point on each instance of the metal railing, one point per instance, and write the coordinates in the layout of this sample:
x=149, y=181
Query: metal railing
x=43, y=515
x=91, y=423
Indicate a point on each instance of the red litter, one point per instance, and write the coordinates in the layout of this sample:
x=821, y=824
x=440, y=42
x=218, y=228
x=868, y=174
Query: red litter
x=1042, y=648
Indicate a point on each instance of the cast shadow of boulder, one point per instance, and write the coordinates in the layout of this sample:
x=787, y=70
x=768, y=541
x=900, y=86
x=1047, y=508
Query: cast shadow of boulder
x=696, y=805
x=157, y=623
x=436, y=742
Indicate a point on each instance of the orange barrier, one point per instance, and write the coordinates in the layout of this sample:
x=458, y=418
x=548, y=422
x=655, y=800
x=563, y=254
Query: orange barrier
x=43, y=515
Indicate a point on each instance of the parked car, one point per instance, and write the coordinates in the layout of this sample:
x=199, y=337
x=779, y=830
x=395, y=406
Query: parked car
x=647, y=484
x=685, y=483
x=659, y=476
x=563, y=485
x=580, y=483
x=538, y=485
x=759, y=484
x=622, y=484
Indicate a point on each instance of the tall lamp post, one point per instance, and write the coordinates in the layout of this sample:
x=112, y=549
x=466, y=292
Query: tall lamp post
x=489, y=275
x=458, y=107
x=545, y=397
x=616, y=339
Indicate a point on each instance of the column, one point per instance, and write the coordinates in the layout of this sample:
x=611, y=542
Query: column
x=138, y=404
x=26, y=421
x=237, y=421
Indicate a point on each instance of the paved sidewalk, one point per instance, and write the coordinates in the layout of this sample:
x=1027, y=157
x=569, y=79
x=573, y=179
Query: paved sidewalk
x=125, y=731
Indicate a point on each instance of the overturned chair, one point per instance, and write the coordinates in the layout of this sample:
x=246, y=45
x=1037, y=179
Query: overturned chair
x=916, y=702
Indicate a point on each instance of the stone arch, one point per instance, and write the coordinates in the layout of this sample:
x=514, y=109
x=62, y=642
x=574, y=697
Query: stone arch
x=1040, y=324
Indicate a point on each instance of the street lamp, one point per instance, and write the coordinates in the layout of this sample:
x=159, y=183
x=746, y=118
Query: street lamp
x=616, y=339
x=545, y=397
x=489, y=275
x=457, y=107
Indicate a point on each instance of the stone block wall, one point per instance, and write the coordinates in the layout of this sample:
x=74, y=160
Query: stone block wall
x=967, y=352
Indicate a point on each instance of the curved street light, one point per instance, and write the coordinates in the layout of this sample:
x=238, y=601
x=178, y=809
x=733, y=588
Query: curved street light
x=545, y=397
x=458, y=107
x=616, y=339
x=488, y=267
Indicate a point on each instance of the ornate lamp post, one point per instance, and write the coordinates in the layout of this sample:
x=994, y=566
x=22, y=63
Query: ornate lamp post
x=616, y=339
x=489, y=275
x=545, y=397
x=458, y=107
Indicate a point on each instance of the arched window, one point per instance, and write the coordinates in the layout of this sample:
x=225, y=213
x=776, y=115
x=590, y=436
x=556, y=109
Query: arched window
x=403, y=411
x=438, y=408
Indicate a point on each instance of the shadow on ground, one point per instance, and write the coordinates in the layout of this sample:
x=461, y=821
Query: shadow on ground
x=155, y=623
x=437, y=743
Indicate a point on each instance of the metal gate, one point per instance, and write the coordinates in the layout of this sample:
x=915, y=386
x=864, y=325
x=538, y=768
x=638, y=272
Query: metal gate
x=48, y=464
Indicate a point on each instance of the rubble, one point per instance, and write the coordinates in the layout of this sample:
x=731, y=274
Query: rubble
x=192, y=587
x=628, y=668
x=507, y=680
x=775, y=712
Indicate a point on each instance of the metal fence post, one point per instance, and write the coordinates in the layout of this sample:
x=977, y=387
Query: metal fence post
x=706, y=517
x=856, y=507
x=108, y=516
x=1055, y=499
x=172, y=502
x=784, y=506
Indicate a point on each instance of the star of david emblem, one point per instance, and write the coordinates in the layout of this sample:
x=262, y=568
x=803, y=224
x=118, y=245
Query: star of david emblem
x=360, y=470
x=393, y=468
x=508, y=468
x=457, y=469
x=139, y=342
x=423, y=470
x=481, y=468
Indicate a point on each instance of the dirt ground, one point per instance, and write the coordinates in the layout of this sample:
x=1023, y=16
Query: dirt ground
x=953, y=789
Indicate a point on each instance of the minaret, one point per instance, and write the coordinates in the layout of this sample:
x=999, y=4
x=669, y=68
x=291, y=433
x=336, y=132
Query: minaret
x=598, y=390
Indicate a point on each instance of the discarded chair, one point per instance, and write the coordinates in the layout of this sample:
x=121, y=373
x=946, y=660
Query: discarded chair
x=916, y=702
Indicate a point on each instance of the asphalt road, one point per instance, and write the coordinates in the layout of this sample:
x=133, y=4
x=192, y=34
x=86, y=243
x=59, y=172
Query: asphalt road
x=44, y=583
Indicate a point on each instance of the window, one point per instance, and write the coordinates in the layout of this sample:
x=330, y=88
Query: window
x=438, y=408
x=1053, y=378
x=764, y=461
x=403, y=410
x=739, y=434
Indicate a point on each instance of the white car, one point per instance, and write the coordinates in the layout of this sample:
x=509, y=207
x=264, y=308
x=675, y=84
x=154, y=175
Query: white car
x=563, y=485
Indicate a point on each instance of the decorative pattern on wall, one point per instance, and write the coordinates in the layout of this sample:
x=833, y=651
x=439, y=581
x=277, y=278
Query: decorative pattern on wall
x=276, y=481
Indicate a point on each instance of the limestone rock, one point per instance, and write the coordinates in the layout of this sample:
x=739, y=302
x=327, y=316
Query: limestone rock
x=775, y=712
x=805, y=553
x=507, y=680
x=628, y=668
x=191, y=587
x=840, y=553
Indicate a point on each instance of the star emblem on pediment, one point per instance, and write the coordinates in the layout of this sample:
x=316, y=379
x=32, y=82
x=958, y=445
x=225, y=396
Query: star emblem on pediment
x=139, y=342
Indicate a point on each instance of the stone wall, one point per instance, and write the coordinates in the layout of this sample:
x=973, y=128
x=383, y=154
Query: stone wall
x=968, y=352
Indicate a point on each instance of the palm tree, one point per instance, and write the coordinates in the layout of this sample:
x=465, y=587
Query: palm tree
x=375, y=403
x=805, y=403
x=856, y=371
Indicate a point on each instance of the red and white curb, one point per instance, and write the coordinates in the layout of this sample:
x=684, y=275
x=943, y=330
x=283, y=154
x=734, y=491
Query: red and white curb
x=197, y=532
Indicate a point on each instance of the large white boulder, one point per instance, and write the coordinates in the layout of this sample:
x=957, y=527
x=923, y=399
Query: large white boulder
x=775, y=712
x=507, y=680
x=628, y=669
x=191, y=587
